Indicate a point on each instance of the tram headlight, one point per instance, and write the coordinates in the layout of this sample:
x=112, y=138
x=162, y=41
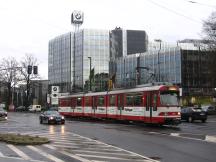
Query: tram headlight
x=179, y=113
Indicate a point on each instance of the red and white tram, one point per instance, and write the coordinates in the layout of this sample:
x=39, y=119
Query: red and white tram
x=149, y=104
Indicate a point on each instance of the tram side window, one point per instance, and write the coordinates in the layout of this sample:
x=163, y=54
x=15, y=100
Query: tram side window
x=155, y=102
x=79, y=101
x=129, y=100
x=100, y=101
x=138, y=100
x=112, y=99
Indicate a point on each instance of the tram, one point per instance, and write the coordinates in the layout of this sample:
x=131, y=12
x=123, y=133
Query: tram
x=156, y=104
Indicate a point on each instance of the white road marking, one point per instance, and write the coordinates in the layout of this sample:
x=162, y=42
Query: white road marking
x=81, y=144
x=69, y=154
x=49, y=156
x=98, y=161
x=174, y=134
x=63, y=146
x=106, y=157
x=108, y=153
x=19, y=152
x=145, y=157
x=18, y=158
x=210, y=138
x=1, y=155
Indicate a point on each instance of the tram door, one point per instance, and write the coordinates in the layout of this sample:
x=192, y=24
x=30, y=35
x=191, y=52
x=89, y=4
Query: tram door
x=151, y=106
x=94, y=105
x=120, y=105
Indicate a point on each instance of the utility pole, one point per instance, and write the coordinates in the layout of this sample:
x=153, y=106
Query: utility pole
x=90, y=77
x=158, y=56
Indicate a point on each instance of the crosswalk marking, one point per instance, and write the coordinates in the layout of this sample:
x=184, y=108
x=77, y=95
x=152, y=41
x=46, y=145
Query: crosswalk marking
x=105, y=157
x=1, y=155
x=49, y=156
x=19, y=152
x=82, y=149
x=108, y=153
x=70, y=155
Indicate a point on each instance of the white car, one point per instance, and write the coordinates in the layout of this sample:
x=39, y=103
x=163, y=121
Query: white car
x=35, y=108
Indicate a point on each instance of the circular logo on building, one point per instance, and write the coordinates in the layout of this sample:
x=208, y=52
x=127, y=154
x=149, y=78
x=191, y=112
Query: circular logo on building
x=78, y=16
x=55, y=95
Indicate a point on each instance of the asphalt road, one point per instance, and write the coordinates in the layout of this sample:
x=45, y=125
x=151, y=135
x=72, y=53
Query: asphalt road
x=100, y=141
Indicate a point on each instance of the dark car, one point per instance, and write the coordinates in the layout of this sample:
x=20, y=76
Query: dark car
x=209, y=109
x=193, y=113
x=51, y=117
x=3, y=114
x=20, y=108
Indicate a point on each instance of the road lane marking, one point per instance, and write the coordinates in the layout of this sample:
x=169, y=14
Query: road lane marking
x=108, y=153
x=108, y=157
x=144, y=157
x=19, y=152
x=49, y=156
x=175, y=134
x=69, y=154
x=210, y=138
x=1, y=155
x=18, y=158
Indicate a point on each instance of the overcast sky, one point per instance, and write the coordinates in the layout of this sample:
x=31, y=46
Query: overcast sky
x=28, y=25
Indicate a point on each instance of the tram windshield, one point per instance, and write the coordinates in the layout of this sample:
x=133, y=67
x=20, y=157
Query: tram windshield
x=169, y=98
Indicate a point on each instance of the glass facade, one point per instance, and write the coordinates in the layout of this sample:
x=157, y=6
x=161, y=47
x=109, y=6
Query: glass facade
x=59, y=61
x=91, y=45
x=69, y=60
x=152, y=66
x=127, y=42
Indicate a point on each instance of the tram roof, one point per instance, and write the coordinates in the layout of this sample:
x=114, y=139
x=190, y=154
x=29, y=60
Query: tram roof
x=131, y=90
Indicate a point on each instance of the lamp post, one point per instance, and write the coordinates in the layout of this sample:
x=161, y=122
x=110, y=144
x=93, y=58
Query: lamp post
x=158, y=56
x=90, y=79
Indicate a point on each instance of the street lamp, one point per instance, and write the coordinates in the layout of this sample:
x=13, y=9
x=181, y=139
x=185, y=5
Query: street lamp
x=90, y=74
x=158, y=40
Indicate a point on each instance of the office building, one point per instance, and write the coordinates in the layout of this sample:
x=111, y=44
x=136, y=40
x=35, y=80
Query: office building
x=73, y=54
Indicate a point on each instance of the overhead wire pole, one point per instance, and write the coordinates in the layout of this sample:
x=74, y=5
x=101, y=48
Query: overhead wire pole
x=158, y=57
x=90, y=77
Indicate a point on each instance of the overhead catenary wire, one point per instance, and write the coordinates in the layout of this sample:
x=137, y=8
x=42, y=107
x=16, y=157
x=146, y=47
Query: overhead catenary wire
x=174, y=12
x=202, y=4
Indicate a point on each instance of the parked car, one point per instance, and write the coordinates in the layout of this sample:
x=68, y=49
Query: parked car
x=34, y=108
x=193, y=113
x=20, y=108
x=3, y=114
x=209, y=109
x=51, y=117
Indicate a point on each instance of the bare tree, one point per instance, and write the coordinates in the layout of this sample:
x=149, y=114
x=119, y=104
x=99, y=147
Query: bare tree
x=9, y=76
x=209, y=30
x=28, y=60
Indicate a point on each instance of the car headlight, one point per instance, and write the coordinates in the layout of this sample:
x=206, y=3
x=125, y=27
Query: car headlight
x=51, y=118
x=62, y=117
x=6, y=117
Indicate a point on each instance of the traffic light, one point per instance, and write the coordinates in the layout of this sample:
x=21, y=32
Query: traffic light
x=29, y=69
x=35, y=70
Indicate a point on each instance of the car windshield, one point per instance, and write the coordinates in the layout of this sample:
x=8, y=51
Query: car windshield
x=52, y=113
x=169, y=98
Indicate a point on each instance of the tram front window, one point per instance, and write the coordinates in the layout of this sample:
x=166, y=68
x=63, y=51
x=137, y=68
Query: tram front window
x=169, y=98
